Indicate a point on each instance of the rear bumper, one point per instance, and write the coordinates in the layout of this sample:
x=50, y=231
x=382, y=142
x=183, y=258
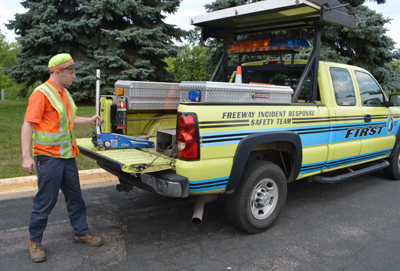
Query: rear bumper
x=166, y=183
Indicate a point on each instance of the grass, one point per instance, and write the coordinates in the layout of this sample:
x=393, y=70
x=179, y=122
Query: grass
x=12, y=114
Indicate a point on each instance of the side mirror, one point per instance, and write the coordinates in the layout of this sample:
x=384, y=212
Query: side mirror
x=394, y=99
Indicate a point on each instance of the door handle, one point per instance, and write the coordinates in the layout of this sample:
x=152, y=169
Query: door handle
x=367, y=118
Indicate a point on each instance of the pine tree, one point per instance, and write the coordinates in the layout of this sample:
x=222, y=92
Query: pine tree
x=367, y=46
x=126, y=39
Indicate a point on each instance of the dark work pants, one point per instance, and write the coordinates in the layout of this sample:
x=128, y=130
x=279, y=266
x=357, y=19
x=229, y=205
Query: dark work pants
x=55, y=174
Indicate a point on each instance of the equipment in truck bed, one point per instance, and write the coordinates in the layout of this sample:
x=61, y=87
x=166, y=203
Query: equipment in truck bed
x=217, y=92
x=127, y=160
x=150, y=95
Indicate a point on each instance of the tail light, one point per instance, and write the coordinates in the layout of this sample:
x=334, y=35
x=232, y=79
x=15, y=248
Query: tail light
x=188, y=136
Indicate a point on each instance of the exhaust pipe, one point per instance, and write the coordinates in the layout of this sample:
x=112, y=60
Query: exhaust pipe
x=199, y=207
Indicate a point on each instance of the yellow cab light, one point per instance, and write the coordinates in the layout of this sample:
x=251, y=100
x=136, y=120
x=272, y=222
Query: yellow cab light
x=120, y=91
x=276, y=45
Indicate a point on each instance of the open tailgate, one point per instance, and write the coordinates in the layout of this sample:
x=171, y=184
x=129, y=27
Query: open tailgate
x=127, y=160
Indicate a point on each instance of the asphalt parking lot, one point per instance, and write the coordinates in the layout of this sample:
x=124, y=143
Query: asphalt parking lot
x=354, y=225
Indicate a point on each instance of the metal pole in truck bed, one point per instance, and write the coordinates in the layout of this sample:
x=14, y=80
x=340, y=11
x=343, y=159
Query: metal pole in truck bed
x=97, y=94
x=97, y=126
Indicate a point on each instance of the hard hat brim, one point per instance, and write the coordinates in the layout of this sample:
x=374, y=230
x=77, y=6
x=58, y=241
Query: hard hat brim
x=74, y=66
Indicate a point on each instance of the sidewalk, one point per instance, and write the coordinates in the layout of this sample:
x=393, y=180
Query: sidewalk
x=29, y=183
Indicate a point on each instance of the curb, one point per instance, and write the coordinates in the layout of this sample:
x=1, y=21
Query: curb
x=29, y=183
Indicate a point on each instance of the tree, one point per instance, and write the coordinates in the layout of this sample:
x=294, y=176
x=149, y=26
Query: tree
x=126, y=39
x=7, y=59
x=366, y=46
x=190, y=64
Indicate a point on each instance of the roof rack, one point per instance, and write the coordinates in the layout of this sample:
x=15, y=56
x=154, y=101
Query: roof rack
x=273, y=15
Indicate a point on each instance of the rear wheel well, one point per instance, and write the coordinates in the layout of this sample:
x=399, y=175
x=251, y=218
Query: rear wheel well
x=283, y=148
x=279, y=153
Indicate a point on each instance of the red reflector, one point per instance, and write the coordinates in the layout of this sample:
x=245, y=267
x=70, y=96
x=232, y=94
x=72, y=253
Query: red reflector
x=187, y=136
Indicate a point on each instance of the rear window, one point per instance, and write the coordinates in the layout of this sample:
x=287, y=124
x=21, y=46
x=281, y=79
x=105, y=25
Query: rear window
x=281, y=78
x=343, y=87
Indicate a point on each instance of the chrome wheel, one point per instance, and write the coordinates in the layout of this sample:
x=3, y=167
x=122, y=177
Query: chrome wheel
x=264, y=198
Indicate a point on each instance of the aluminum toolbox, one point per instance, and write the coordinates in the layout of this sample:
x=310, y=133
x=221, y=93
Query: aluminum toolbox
x=150, y=95
x=218, y=92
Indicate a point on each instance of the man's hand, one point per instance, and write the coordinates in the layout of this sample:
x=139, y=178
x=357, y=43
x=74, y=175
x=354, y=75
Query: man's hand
x=84, y=120
x=94, y=118
x=28, y=165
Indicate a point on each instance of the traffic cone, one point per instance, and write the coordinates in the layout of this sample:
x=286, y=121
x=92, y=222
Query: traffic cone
x=238, y=77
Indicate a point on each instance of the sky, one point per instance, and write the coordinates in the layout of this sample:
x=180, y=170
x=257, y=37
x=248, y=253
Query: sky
x=190, y=8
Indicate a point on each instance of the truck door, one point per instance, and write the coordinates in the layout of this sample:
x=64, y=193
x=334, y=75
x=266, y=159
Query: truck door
x=379, y=132
x=344, y=148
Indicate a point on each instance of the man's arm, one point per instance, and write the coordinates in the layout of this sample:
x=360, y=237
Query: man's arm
x=84, y=120
x=26, y=138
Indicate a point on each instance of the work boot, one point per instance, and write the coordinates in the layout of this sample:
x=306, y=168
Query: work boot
x=89, y=240
x=37, y=252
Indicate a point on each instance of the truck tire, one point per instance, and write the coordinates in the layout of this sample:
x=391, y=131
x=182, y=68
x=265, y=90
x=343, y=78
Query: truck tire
x=393, y=171
x=260, y=197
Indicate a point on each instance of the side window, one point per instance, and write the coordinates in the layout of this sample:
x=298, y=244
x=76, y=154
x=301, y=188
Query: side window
x=371, y=93
x=343, y=87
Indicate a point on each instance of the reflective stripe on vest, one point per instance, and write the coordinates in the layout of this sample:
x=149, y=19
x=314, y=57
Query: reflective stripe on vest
x=62, y=137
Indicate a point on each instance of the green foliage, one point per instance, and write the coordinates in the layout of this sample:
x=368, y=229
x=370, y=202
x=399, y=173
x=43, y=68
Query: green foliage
x=367, y=46
x=11, y=117
x=395, y=64
x=190, y=64
x=126, y=39
x=222, y=4
x=5, y=81
x=7, y=59
x=355, y=3
x=11, y=92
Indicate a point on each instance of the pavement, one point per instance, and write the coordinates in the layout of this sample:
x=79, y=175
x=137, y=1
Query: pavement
x=10, y=186
x=353, y=225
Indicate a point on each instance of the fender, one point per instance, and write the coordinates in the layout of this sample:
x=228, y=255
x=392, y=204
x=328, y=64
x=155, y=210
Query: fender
x=247, y=144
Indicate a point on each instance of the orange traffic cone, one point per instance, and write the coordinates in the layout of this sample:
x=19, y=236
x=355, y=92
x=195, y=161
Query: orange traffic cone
x=238, y=77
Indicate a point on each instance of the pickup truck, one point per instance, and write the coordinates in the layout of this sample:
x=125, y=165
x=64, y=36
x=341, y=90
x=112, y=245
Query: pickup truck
x=282, y=120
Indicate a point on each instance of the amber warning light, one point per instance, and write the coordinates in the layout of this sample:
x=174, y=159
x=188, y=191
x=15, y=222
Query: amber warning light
x=296, y=45
x=120, y=91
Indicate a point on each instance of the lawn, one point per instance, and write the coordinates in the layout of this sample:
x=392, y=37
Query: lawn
x=11, y=119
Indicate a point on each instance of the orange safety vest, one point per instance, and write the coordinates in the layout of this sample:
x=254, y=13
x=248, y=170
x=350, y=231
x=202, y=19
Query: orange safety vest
x=56, y=139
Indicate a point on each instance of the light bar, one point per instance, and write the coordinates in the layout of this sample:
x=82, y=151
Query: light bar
x=296, y=45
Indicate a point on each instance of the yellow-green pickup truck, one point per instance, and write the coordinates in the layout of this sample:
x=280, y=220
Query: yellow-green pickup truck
x=281, y=121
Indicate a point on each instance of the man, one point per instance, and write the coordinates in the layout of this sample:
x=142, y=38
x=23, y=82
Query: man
x=49, y=122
